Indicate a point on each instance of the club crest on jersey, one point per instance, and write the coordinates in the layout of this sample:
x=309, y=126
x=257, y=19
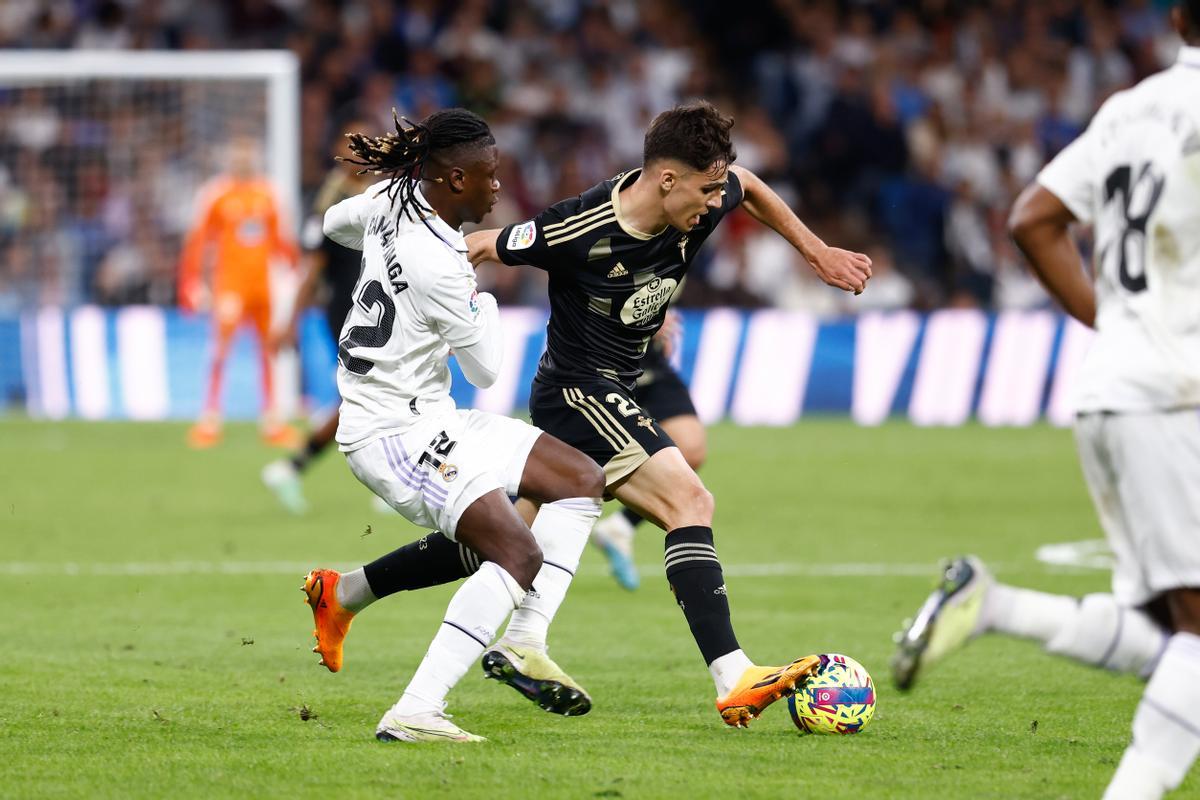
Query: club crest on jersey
x=522, y=236
x=643, y=304
x=448, y=472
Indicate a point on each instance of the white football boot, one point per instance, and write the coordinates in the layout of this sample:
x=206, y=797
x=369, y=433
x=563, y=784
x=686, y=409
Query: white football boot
x=283, y=480
x=431, y=726
x=949, y=618
x=535, y=675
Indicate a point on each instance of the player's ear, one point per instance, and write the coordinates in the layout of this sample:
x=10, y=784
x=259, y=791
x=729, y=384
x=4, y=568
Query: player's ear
x=667, y=178
x=455, y=179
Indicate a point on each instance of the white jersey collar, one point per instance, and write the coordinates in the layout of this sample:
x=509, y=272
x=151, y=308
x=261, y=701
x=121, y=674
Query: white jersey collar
x=1189, y=56
x=451, y=236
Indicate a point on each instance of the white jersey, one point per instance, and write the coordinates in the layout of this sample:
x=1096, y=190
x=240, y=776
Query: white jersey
x=1135, y=174
x=414, y=301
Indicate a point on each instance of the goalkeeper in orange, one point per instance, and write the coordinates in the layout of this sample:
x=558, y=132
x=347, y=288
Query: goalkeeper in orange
x=237, y=234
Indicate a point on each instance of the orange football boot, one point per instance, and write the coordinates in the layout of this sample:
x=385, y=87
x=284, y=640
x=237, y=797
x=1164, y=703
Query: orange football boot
x=761, y=686
x=204, y=434
x=281, y=435
x=331, y=620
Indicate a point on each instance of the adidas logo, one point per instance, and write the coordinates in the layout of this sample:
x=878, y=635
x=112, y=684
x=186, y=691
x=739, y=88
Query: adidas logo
x=618, y=271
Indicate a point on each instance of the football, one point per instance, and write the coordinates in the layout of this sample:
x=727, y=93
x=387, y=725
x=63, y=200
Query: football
x=838, y=699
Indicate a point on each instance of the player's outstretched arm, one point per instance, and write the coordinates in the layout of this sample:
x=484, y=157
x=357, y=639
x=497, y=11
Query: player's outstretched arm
x=481, y=246
x=841, y=268
x=1040, y=225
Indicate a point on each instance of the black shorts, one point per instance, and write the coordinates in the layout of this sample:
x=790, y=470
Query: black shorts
x=601, y=419
x=664, y=394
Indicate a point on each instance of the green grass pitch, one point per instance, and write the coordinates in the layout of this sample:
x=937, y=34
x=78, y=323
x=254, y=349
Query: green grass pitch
x=156, y=643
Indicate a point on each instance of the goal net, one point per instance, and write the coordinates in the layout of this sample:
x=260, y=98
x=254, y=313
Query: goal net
x=102, y=155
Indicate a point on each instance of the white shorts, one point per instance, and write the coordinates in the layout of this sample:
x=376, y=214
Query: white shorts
x=1143, y=471
x=432, y=471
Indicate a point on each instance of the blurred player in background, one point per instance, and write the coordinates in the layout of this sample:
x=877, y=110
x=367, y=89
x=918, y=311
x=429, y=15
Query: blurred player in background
x=331, y=272
x=237, y=235
x=1135, y=176
x=661, y=391
x=401, y=432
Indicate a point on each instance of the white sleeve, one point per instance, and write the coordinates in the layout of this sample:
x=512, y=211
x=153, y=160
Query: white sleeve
x=453, y=306
x=1072, y=175
x=346, y=222
x=481, y=361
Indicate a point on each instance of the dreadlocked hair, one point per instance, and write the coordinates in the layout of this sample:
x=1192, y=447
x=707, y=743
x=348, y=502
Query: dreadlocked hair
x=402, y=155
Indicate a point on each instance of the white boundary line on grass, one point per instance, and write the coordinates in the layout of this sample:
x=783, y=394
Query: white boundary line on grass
x=300, y=568
x=1089, y=553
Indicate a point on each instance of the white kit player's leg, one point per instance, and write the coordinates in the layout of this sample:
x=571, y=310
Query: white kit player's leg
x=1166, y=738
x=474, y=615
x=1095, y=630
x=561, y=529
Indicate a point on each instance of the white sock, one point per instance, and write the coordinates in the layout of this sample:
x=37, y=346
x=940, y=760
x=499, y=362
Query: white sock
x=1105, y=634
x=1026, y=613
x=475, y=612
x=561, y=529
x=1166, y=737
x=1094, y=629
x=353, y=592
x=727, y=670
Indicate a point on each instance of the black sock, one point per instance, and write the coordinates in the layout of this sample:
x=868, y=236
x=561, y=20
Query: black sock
x=634, y=518
x=430, y=561
x=311, y=449
x=695, y=576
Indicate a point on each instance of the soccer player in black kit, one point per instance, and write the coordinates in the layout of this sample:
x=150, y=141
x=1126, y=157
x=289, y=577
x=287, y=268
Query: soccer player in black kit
x=615, y=256
x=661, y=391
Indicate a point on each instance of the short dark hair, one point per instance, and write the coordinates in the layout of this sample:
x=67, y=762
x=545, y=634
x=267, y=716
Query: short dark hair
x=696, y=134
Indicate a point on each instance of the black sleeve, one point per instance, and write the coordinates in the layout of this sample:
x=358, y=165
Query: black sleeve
x=525, y=242
x=731, y=199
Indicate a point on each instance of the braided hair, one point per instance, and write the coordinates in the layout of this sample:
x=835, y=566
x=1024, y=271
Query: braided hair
x=403, y=155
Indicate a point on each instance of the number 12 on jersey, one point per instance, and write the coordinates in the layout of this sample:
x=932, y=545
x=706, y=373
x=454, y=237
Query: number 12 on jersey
x=377, y=335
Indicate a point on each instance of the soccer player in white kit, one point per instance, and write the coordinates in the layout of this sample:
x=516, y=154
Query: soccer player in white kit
x=1135, y=176
x=439, y=466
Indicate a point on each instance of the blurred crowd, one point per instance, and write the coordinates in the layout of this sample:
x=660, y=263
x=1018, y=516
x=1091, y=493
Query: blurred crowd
x=902, y=129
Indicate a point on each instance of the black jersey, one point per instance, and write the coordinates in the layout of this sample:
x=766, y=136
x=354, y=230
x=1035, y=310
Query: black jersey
x=609, y=283
x=342, y=265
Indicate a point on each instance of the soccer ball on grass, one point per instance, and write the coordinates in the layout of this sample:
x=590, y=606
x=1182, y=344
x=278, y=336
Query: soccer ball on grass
x=838, y=699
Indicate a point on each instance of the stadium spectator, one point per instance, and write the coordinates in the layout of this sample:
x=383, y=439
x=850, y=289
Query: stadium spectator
x=918, y=122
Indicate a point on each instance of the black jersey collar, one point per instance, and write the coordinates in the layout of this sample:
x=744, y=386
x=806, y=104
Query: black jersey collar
x=626, y=226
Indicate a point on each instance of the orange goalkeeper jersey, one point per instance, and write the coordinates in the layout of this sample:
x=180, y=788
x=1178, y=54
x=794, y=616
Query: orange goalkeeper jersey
x=242, y=219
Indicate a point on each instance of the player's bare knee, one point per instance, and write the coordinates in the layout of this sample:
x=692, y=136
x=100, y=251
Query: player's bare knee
x=696, y=454
x=590, y=480
x=526, y=563
x=695, y=505
x=1185, y=610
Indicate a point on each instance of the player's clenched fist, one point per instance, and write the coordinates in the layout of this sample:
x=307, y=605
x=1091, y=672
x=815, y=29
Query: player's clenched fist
x=843, y=268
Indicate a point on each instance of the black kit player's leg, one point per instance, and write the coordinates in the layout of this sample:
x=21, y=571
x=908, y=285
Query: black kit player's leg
x=316, y=443
x=554, y=472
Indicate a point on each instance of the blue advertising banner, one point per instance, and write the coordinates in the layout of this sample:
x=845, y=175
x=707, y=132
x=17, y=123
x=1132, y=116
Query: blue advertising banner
x=766, y=367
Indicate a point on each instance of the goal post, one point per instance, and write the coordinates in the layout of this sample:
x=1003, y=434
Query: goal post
x=278, y=72
x=102, y=158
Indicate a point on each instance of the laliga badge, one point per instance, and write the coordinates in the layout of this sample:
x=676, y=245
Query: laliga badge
x=522, y=236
